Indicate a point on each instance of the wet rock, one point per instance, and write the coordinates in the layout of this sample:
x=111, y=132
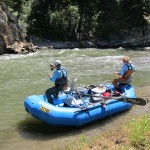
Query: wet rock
x=21, y=47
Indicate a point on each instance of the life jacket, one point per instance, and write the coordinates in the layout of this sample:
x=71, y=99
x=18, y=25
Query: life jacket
x=64, y=79
x=129, y=72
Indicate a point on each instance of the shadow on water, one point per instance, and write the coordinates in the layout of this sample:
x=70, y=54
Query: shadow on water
x=35, y=129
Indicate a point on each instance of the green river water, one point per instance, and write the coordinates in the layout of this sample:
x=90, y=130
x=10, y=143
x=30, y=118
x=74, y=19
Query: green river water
x=24, y=75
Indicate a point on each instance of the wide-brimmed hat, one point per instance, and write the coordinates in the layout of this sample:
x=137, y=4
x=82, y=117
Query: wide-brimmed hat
x=57, y=62
x=126, y=58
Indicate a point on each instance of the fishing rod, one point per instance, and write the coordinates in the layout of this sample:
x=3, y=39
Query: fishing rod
x=52, y=68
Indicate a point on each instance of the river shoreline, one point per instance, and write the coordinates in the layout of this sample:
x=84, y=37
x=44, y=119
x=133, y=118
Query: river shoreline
x=46, y=44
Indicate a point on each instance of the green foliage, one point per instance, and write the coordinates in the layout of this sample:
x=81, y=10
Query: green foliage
x=109, y=20
x=140, y=131
x=87, y=19
x=56, y=25
x=133, y=13
x=64, y=20
x=51, y=23
x=38, y=20
x=20, y=9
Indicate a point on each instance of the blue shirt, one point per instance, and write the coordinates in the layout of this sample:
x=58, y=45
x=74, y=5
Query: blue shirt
x=124, y=68
x=58, y=74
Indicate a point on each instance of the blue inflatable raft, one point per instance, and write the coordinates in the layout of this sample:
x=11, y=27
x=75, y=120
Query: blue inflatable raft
x=81, y=110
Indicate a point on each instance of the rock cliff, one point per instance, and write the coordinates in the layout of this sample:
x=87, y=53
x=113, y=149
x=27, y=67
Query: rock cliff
x=11, y=32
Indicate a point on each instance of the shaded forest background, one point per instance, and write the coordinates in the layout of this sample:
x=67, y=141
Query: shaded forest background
x=76, y=20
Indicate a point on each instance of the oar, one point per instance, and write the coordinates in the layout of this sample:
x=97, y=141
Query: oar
x=80, y=96
x=138, y=101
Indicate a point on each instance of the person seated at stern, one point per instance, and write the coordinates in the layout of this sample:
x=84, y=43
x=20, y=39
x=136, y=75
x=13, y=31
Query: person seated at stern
x=125, y=74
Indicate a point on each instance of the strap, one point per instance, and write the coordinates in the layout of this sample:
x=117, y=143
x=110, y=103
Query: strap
x=129, y=67
x=62, y=71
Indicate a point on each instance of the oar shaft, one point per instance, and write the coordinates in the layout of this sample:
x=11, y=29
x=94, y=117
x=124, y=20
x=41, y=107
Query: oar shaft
x=134, y=100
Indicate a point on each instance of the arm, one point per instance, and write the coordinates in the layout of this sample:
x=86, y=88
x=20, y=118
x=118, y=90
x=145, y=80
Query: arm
x=122, y=71
x=117, y=73
x=52, y=66
x=57, y=74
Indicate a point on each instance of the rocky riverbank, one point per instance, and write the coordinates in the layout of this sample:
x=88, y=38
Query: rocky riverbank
x=46, y=44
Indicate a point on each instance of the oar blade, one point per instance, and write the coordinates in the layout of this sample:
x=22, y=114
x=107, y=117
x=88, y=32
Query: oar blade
x=138, y=101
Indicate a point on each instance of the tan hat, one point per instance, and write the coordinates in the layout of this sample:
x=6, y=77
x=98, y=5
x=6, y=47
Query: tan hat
x=126, y=59
x=57, y=62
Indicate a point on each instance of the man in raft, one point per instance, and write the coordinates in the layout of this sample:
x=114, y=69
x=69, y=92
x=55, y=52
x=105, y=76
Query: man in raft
x=125, y=74
x=60, y=78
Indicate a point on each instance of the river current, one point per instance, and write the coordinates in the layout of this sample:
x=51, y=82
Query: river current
x=24, y=75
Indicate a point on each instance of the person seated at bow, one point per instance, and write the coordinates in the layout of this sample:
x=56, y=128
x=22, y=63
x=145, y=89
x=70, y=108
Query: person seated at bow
x=125, y=74
x=60, y=78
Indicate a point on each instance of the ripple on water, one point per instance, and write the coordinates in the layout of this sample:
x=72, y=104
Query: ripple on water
x=22, y=75
x=15, y=56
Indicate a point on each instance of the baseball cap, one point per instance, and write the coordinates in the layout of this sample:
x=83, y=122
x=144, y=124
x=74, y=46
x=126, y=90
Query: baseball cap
x=57, y=62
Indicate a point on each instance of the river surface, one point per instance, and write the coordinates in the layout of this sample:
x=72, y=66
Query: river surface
x=24, y=75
